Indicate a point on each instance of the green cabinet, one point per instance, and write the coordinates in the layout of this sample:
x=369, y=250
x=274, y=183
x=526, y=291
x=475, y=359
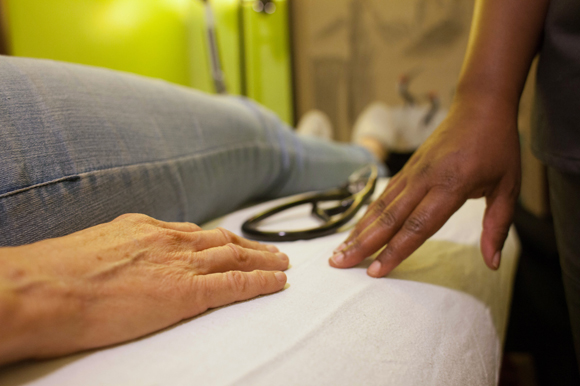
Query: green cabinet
x=165, y=39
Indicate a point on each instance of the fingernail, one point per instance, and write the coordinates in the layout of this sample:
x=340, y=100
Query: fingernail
x=338, y=258
x=496, y=259
x=281, y=276
x=282, y=256
x=340, y=248
x=272, y=248
x=375, y=268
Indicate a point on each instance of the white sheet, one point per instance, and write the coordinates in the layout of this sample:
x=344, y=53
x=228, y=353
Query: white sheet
x=438, y=319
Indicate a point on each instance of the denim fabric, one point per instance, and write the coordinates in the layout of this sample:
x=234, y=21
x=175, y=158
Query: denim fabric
x=81, y=145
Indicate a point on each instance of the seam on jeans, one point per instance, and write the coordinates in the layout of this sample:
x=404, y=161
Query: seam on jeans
x=78, y=176
x=21, y=190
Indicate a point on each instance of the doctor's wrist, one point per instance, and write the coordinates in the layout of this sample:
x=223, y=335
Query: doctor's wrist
x=495, y=114
x=486, y=101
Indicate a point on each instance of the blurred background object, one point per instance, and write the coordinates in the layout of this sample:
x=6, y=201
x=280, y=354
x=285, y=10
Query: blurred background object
x=268, y=63
x=224, y=18
x=253, y=48
x=349, y=53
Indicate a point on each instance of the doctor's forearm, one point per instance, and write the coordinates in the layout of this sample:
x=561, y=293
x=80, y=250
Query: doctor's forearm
x=504, y=39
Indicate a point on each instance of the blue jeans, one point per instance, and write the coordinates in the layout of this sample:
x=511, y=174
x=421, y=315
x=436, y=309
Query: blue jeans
x=80, y=146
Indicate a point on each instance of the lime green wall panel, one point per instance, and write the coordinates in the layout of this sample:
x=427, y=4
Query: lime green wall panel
x=164, y=39
x=200, y=73
x=147, y=37
x=228, y=31
x=267, y=58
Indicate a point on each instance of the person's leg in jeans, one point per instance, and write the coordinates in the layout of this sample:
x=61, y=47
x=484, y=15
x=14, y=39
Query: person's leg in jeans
x=565, y=204
x=80, y=146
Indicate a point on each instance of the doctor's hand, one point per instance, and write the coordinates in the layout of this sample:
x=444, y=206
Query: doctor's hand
x=473, y=153
x=121, y=280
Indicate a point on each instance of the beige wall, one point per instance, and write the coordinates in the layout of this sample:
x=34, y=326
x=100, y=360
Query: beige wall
x=349, y=53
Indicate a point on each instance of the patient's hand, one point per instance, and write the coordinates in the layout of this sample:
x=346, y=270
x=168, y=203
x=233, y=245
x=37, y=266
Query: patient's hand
x=121, y=280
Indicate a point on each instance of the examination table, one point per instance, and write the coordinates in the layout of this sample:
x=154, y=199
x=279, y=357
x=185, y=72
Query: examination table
x=438, y=319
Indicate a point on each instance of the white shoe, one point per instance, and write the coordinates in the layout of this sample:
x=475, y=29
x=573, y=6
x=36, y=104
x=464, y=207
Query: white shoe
x=315, y=124
x=412, y=130
x=400, y=129
x=377, y=122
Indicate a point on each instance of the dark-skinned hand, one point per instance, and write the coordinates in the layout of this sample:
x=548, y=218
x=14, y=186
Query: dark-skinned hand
x=474, y=153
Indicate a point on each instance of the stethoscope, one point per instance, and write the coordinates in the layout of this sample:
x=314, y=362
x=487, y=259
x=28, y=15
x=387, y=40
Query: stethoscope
x=352, y=196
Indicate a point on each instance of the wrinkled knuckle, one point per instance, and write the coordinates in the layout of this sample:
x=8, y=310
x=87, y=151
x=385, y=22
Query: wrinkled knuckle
x=424, y=170
x=416, y=224
x=262, y=279
x=168, y=234
x=238, y=281
x=379, y=206
x=239, y=254
x=167, y=237
x=134, y=217
x=197, y=265
x=143, y=218
x=451, y=181
x=387, y=219
x=228, y=236
x=450, y=178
